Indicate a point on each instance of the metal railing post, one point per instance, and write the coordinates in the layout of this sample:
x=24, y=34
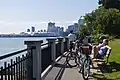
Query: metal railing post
x=51, y=42
x=36, y=60
x=60, y=40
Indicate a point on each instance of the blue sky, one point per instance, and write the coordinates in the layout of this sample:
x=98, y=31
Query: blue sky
x=18, y=15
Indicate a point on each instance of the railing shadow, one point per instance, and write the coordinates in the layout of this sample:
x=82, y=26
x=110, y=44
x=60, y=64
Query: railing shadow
x=61, y=71
x=62, y=65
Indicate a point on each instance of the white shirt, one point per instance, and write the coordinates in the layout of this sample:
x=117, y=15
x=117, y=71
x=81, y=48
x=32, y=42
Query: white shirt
x=71, y=37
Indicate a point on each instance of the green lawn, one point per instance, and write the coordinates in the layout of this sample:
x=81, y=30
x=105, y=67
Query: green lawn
x=112, y=69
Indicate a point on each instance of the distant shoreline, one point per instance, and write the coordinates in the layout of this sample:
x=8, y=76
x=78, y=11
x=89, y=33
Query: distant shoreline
x=24, y=36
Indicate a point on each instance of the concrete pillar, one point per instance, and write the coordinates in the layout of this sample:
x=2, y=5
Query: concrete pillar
x=67, y=40
x=51, y=42
x=60, y=40
x=36, y=58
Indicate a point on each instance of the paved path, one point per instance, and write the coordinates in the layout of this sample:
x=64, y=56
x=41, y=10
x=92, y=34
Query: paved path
x=62, y=72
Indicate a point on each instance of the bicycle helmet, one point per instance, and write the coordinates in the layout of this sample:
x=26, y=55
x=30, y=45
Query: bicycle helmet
x=85, y=40
x=102, y=37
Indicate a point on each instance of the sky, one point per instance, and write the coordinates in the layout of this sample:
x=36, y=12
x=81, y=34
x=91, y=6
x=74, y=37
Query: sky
x=18, y=15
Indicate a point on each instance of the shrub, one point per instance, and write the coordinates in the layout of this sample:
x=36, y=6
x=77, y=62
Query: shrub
x=96, y=37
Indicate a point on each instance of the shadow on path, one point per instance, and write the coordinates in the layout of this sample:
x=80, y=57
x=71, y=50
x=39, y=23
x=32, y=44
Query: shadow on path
x=107, y=68
x=62, y=65
x=110, y=67
x=61, y=71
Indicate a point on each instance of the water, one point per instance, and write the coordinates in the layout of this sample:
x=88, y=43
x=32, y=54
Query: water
x=8, y=45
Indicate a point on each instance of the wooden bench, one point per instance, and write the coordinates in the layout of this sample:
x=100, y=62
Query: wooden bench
x=96, y=61
x=107, y=55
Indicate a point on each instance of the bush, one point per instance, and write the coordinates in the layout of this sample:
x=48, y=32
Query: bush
x=111, y=38
x=96, y=37
x=117, y=37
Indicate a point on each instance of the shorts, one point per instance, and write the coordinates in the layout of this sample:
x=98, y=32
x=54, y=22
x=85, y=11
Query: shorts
x=100, y=56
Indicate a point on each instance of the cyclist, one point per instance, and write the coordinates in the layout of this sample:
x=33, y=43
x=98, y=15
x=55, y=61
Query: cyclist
x=85, y=60
x=72, y=39
x=88, y=49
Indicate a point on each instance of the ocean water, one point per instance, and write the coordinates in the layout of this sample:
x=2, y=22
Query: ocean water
x=8, y=45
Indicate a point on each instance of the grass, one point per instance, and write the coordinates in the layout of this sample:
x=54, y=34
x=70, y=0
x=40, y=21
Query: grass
x=112, y=69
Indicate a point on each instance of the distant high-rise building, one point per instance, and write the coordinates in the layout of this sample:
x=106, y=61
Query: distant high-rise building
x=51, y=27
x=76, y=29
x=55, y=29
x=80, y=21
x=50, y=24
x=33, y=29
x=73, y=27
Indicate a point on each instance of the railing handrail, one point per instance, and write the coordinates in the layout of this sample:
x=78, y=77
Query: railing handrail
x=44, y=44
x=20, y=51
x=12, y=54
x=17, y=52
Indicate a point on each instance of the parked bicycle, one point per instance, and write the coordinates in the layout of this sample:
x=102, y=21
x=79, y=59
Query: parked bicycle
x=81, y=58
x=71, y=58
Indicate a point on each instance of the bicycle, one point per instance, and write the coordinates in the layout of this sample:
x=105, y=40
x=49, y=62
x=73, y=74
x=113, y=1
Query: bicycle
x=71, y=58
x=84, y=61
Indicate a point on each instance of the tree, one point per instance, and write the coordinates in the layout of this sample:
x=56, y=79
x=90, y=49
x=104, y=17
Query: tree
x=38, y=31
x=84, y=30
x=41, y=30
x=110, y=3
x=44, y=30
x=102, y=20
x=28, y=30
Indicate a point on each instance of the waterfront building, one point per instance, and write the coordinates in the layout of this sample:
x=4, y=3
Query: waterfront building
x=73, y=27
x=55, y=29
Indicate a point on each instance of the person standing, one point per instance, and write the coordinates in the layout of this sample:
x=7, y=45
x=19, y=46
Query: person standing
x=72, y=39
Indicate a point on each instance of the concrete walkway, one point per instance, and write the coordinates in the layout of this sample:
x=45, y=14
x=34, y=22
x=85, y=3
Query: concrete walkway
x=63, y=72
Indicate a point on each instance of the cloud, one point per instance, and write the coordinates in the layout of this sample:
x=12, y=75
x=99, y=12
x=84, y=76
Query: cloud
x=67, y=21
x=43, y=22
x=72, y=22
x=22, y=23
x=2, y=21
x=35, y=22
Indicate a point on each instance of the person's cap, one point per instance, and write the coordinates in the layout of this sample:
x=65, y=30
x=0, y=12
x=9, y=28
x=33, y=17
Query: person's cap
x=102, y=37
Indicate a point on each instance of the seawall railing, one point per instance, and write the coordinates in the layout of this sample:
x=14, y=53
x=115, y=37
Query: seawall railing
x=35, y=60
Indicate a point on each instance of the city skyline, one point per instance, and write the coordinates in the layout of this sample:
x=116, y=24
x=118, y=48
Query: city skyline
x=17, y=16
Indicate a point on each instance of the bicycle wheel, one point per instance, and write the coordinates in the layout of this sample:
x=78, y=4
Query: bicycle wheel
x=79, y=62
x=71, y=59
x=86, y=69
